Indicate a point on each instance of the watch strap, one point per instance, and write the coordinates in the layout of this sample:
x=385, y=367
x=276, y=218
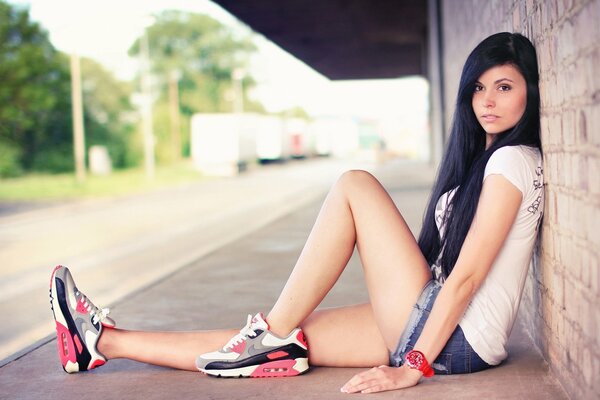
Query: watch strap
x=417, y=360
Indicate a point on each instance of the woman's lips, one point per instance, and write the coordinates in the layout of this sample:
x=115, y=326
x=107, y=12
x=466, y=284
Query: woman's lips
x=489, y=117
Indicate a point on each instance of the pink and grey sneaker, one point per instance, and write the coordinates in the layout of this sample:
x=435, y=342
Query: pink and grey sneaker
x=257, y=352
x=79, y=323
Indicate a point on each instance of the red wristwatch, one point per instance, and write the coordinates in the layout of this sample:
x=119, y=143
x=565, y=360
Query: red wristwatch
x=416, y=360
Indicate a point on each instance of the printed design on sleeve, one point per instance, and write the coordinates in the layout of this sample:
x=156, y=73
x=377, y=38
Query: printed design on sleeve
x=538, y=183
x=535, y=205
x=538, y=187
x=436, y=271
x=443, y=209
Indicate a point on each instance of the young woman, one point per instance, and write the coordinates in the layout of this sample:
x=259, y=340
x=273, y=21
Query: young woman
x=445, y=304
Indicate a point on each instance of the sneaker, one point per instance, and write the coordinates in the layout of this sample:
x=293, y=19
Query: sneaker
x=257, y=352
x=79, y=323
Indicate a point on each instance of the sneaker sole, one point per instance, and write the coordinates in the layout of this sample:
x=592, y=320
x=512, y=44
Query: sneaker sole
x=273, y=369
x=64, y=338
x=70, y=347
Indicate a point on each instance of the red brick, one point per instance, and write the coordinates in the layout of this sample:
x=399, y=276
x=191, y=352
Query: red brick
x=583, y=170
x=556, y=253
x=547, y=245
x=568, y=127
x=593, y=123
x=580, y=88
x=516, y=19
x=595, y=390
x=558, y=289
x=558, y=128
x=562, y=204
x=587, y=367
x=571, y=302
x=585, y=23
x=544, y=131
x=597, y=320
x=566, y=41
x=593, y=165
x=594, y=261
x=592, y=63
x=589, y=77
x=561, y=8
x=568, y=172
x=531, y=6
x=550, y=207
x=593, y=217
x=581, y=125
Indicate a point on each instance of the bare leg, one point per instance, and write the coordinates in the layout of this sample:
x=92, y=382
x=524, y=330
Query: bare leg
x=169, y=349
x=355, y=324
x=357, y=211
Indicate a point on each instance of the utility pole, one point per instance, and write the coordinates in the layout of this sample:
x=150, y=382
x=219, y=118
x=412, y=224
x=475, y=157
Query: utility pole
x=174, y=111
x=77, y=112
x=147, y=108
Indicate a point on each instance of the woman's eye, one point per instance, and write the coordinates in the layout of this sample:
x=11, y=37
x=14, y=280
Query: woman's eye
x=478, y=88
x=504, y=88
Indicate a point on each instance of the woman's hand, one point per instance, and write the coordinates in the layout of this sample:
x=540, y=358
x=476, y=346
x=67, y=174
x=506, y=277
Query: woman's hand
x=382, y=378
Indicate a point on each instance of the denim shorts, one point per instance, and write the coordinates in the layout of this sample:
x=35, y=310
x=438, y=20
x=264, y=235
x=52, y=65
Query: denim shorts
x=457, y=357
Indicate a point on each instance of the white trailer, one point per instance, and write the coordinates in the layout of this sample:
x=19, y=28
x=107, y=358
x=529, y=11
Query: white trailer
x=272, y=141
x=223, y=144
x=319, y=138
x=296, y=129
x=334, y=136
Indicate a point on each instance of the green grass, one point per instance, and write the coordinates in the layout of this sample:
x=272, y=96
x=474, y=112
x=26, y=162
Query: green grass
x=40, y=187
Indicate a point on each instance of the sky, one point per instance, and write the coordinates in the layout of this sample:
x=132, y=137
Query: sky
x=104, y=31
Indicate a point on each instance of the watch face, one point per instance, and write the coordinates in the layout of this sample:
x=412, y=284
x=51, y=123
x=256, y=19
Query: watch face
x=414, y=359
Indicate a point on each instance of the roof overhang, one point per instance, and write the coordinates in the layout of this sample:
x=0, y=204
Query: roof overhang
x=344, y=39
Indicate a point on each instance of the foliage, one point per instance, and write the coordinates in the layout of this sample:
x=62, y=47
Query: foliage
x=109, y=115
x=204, y=53
x=9, y=159
x=33, y=94
x=296, y=112
x=35, y=102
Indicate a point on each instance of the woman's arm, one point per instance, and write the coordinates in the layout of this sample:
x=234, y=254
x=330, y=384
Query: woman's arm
x=496, y=212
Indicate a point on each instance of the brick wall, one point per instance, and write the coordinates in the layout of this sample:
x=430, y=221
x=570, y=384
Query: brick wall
x=561, y=303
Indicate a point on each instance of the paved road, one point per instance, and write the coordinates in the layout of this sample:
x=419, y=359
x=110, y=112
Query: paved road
x=117, y=246
x=243, y=277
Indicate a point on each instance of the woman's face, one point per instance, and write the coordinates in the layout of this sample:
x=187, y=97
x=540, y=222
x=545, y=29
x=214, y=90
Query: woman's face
x=499, y=100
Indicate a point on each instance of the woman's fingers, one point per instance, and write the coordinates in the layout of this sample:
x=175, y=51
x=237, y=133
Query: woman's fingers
x=365, y=380
x=380, y=379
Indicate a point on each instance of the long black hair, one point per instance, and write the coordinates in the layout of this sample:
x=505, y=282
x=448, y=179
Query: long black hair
x=465, y=157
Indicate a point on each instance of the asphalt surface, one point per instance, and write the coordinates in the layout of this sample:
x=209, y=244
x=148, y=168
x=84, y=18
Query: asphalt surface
x=245, y=275
x=118, y=245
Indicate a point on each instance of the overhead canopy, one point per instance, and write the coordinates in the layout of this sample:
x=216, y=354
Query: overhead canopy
x=344, y=39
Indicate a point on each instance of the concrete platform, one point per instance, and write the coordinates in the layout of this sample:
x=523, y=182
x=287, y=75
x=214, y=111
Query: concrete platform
x=244, y=277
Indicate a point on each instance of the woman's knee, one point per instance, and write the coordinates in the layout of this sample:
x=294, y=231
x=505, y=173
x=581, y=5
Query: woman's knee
x=356, y=179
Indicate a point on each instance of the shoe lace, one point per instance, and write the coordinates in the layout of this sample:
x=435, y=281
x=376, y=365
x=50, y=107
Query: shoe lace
x=98, y=314
x=245, y=332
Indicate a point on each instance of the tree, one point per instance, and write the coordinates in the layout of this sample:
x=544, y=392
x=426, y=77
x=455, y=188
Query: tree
x=109, y=116
x=35, y=102
x=34, y=96
x=204, y=52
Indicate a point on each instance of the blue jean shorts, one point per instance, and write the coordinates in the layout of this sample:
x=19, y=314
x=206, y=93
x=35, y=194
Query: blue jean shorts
x=457, y=357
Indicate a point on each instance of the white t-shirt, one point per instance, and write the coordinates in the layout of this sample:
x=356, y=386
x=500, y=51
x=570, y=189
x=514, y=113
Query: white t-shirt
x=490, y=316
